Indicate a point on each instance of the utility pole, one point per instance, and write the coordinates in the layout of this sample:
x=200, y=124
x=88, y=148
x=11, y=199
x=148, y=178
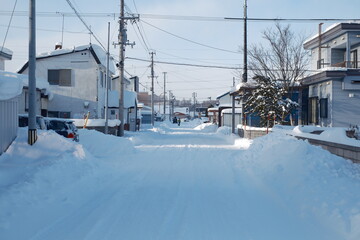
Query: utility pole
x=194, y=96
x=107, y=82
x=164, y=94
x=152, y=88
x=122, y=41
x=32, y=134
x=121, y=68
x=233, y=109
x=245, y=43
x=170, y=106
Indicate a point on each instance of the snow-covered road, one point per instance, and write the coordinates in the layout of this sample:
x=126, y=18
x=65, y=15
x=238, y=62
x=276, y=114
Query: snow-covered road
x=175, y=182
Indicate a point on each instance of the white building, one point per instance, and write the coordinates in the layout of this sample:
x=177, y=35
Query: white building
x=77, y=81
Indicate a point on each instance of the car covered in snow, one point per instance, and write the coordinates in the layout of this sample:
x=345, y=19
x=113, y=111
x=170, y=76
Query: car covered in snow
x=63, y=127
x=24, y=121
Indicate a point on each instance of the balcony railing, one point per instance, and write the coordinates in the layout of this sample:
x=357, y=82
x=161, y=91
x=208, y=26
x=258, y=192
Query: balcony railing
x=352, y=64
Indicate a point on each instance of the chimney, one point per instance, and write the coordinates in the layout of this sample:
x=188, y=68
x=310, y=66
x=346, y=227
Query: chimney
x=58, y=45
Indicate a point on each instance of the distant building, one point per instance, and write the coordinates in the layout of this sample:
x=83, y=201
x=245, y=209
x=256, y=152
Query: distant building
x=222, y=113
x=331, y=96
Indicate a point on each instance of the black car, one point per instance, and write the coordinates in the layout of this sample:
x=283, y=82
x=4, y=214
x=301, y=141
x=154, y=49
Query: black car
x=24, y=121
x=64, y=127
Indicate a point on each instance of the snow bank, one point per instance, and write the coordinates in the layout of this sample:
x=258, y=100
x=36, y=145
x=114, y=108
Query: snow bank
x=206, y=127
x=328, y=134
x=94, y=141
x=21, y=159
x=313, y=184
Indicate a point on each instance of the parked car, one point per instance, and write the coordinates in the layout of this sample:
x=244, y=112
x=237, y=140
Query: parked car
x=64, y=127
x=24, y=121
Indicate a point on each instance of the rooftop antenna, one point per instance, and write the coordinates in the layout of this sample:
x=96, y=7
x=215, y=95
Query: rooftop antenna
x=62, y=29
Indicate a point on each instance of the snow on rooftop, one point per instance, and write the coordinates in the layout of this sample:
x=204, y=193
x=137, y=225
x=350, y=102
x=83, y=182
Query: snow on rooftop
x=100, y=53
x=245, y=85
x=96, y=122
x=129, y=99
x=11, y=85
x=229, y=110
x=41, y=83
x=113, y=99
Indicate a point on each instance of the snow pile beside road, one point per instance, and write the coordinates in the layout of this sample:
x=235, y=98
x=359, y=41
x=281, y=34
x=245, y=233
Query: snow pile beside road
x=312, y=183
x=94, y=142
x=53, y=177
x=21, y=160
x=206, y=127
x=328, y=134
x=224, y=130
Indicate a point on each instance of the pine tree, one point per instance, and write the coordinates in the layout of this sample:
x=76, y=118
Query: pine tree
x=268, y=100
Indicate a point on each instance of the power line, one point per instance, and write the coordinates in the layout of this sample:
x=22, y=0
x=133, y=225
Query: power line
x=188, y=40
x=82, y=20
x=177, y=17
x=7, y=30
x=184, y=64
x=213, y=66
x=43, y=29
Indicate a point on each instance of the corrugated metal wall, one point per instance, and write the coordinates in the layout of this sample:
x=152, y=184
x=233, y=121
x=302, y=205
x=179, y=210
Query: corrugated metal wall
x=8, y=122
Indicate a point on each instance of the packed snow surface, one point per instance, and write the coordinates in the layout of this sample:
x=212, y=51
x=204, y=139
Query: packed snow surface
x=176, y=182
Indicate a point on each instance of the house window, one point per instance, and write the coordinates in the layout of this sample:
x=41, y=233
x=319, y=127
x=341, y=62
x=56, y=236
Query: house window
x=61, y=77
x=112, y=112
x=354, y=59
x=323, y=108
x=101, y=79
x=53, y=114
x=313, y=110
x=57, y=114
x=64, y=114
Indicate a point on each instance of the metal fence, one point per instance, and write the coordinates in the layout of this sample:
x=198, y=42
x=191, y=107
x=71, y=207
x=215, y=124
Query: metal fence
x=8, y=122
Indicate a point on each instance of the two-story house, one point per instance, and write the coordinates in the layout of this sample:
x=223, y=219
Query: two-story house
x=77, y=80
x=331, y=95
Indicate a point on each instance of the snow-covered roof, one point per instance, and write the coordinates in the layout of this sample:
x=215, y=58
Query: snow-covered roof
x=41, y=83
x=184, y=110
x=244, y=85
x=130, y=99
x=229, y=110
x=11, y=85
x=98, y=53
x=326, y=30
x=96, y=122
x=222, y=95
x=113, y=99
x=6, y=53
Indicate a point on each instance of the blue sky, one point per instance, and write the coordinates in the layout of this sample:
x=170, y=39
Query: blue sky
x=182, y=80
